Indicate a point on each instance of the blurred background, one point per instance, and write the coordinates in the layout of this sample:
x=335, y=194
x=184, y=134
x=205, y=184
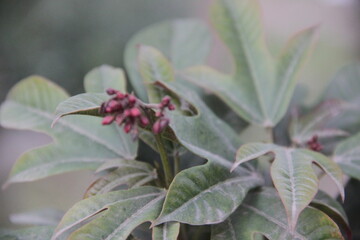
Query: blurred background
x=63, y=40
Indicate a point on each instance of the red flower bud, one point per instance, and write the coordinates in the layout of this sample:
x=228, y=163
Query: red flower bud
x=108, y=120
x=135, y=112
x=111, y=91
x=165, y=101
x=132, y=99
x=144, y=121
x=160, y=125
x=171, y=107
x=128, y=126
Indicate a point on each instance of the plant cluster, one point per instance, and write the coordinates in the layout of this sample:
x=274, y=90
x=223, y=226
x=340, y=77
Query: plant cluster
x=178, y=169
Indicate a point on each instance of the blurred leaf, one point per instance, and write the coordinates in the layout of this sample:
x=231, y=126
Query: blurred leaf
x=129, y=172
x=260, y=89
x=333, y=209
x=153, y=66
x=30, y=233
x=166, y=231
x=347, y=155
x=206, y=194
x=292, y=174
x=101, y=78
x=303, y=128
x=46, y=216
x=263, y=213
x=185, y=42
x=30, y=105
x=346, y=86
x=112, y=215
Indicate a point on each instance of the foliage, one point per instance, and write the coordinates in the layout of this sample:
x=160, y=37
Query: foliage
x=228, y=195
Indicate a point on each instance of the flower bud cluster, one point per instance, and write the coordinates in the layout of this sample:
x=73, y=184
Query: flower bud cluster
x=129, y=111
x=314, y=144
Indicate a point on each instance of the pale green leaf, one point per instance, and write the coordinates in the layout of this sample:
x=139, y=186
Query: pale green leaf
x=83, y=104
x=205, y=194
x=30, y=105
x=293, y=174
x=101, y=78
x=347, y=155
x=260, y=88
x=30, y=233
x=185, y=42
x=131, y=173
x=166, y=231
x=112, y=215
x=262, y=214
x=314, y=123
x=44, y=216
x=346, y=86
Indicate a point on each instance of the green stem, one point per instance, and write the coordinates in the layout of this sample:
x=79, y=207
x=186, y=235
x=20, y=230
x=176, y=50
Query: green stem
x=271, y=133
x=176, y=163
x=164, y=159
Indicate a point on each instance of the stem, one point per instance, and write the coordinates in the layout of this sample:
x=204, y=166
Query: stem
x=270, y=131
x=164, y=159
x=176, y=163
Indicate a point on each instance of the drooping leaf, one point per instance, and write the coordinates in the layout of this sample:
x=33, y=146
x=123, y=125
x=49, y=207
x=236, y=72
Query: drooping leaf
x=112, y=215
x=30, y=233
x=345, y=86
x=260, y=89
x=166, y=231
x=131, y=173
x=44, y=216
x=101, y=78
x=292, y=174
x=185, y=42
x=262, y=213
x=314, y=123
x=205, y=194
x=30, y=105
x=347, y=155
x=333, y=209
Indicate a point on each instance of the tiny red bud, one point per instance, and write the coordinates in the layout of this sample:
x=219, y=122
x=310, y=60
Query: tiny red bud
x=128, y=126
x=135, y=112
x=159, y=114
x=144, y=121
x=111, y=91
x=108, y=120
x=120, y=96
x=166, y=100
x=132, y=99
x=171, y=107
x=119, y=119
x=127, y=113
x=160, y=125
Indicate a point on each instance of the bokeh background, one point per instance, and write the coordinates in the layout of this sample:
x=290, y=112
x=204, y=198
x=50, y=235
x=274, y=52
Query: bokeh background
x=63, y=40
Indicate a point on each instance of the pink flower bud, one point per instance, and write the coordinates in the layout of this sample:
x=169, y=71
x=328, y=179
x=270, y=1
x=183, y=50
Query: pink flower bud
x=111, y=91
x=159, y=114
x=120, y=96
x=144, y=121
x=128, y=126
x=119, y=119
x=165, y=101
x=127, y=113
x=132, y=99
x=108, y=120
x=160, y=125
x=171, y=107
x=135, y=112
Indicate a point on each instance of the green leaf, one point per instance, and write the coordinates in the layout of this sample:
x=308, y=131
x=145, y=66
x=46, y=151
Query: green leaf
x=347, y=155
x=111, y=215
x=292, y=174
x=101, y=78
x=185, y=42
x=346, y=86
x=129, y=172
x=262, y=213
x=83, y=104
x=260, y=88
x=30, y=233
x=206, y=194
x=154, y=66
x=30, y=105
x=333, y=209
x=166, y=231
x=314, y=123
